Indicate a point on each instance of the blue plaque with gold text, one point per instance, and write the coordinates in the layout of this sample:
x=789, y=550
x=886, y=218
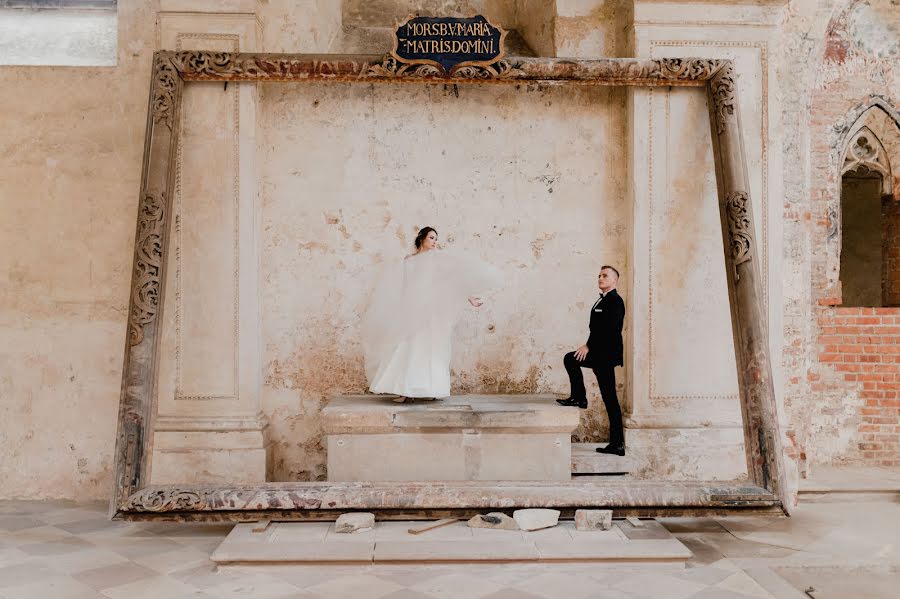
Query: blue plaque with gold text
x=448, y=42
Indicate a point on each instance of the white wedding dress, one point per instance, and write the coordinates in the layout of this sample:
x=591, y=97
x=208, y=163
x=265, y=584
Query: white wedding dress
x=407, y=328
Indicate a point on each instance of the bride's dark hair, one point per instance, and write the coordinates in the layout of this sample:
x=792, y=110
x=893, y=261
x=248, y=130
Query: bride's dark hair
x=423, y=233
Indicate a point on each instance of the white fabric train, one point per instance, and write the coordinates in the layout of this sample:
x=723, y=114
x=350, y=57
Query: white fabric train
x=408, y=325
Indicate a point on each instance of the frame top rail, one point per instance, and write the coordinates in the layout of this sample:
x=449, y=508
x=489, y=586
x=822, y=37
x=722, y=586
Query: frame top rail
x=226, y=66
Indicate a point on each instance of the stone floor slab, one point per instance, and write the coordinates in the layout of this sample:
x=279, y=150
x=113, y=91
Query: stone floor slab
x=659, y=585
x=648, y=550
x=649, y=529
x=293, y=552
x=454, y=551
x=552, y=584
x=612, y=535
x=14, y=523
x=399, y=531
x=55, y=587
x=359, y=585
x=114, y=575
x=23, y=573
x=85, y=560
x=151, y=588
x=458, y=584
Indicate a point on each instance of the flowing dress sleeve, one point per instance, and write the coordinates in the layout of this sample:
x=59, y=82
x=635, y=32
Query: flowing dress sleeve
x=421, y=294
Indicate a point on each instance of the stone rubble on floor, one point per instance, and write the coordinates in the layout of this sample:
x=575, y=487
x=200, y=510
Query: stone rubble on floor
x=593, y=519
x=536, y=518
x=355, y=522
x=495, y=520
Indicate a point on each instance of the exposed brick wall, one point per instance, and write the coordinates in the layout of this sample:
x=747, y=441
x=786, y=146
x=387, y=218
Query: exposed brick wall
x=863, y=346
x=842, y=364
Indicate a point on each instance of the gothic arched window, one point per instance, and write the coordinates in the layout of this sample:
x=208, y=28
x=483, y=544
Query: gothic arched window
x=870, y=216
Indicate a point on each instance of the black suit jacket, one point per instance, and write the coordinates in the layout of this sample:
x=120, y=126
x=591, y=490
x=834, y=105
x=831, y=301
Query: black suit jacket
x=605, y=341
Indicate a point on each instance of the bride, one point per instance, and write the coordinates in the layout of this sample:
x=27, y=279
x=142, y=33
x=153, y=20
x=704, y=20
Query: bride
x=408, y=325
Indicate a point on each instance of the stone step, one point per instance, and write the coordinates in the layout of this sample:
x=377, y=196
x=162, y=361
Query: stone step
x=390, y=542
x=585, y=460
x=463, y=437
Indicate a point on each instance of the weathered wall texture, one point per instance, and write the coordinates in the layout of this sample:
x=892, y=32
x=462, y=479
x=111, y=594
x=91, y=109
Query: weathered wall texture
x=69, y=172
x=520, y=177
x=345, y=174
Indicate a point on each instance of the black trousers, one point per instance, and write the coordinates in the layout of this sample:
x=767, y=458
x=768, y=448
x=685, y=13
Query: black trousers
x=606, y=378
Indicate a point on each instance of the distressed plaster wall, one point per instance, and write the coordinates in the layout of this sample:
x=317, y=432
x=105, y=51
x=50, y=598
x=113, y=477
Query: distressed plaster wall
x=70, y=164
x=523, y=178
x=72, y=140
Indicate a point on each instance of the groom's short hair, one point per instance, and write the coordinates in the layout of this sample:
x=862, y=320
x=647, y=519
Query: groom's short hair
x=605, y=266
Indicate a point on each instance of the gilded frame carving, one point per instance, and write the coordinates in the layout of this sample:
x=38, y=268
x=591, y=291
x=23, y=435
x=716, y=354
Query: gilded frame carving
x=133, y=498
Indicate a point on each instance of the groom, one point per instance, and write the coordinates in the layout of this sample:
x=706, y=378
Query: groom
x=602, y=353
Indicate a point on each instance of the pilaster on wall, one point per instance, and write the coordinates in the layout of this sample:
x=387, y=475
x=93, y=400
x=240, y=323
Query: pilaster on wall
x=208, y=422
x=682, y=374
x=575, y=28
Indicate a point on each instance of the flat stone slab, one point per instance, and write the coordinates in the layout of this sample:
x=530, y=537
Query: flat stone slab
x=389, y=542
x=456, y=551
x=659, y=550
x=374, y=414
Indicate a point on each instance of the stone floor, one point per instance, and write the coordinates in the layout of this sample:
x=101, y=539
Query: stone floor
x=841, y=545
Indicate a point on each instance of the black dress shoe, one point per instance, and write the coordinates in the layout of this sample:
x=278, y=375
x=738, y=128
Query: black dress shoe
x=612, y=449
x=571, y=401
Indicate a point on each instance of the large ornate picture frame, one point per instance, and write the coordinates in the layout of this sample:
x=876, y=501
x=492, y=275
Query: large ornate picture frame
x=135, y=499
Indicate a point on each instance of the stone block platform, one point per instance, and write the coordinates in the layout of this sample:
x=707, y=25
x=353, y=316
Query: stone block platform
x=465, y=437
x=390, y=542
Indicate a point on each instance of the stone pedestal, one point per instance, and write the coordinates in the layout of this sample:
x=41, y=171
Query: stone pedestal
x=211, y=450
x=469, y=437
